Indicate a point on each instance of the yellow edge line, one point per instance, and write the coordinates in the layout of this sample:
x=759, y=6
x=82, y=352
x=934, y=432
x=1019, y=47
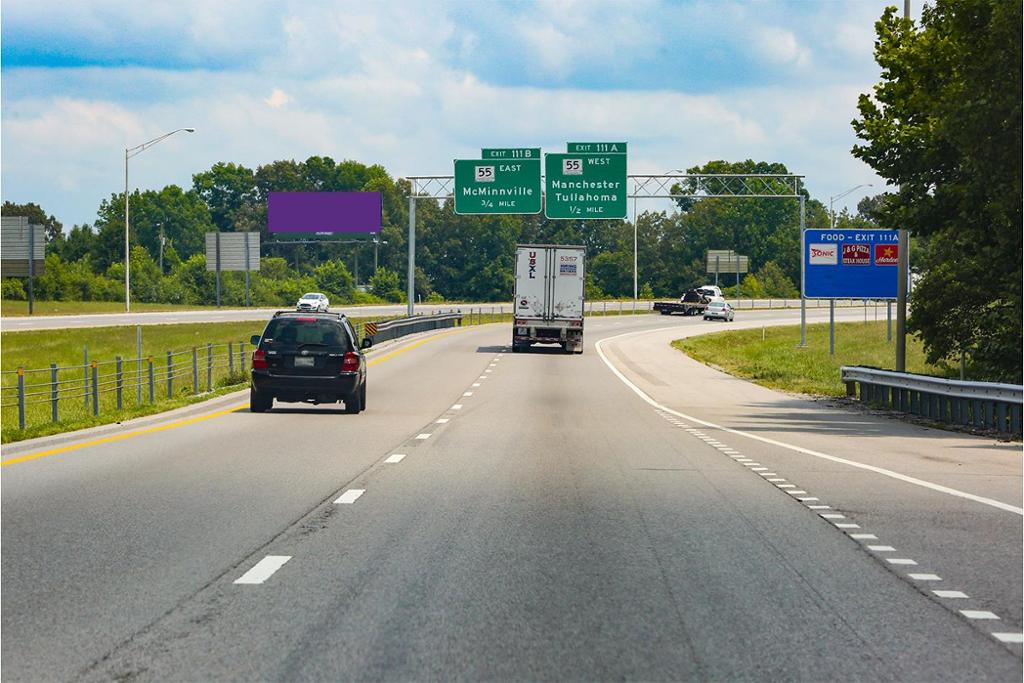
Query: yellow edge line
x=191, y=420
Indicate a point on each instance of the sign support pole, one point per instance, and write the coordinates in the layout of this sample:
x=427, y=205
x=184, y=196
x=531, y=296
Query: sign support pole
x=410, y=288
x=248, y=301
x=217, y=252
x=803, y=276
x=31, y=264
x=902, y=276
x=831, y=327
x=888, y=321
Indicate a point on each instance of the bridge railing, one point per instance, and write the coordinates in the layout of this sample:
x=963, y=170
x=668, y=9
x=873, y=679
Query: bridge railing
x=985, y=405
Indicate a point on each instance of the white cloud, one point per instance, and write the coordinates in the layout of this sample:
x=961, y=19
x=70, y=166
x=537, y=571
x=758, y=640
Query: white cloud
x=781, y=46
x=278, y=98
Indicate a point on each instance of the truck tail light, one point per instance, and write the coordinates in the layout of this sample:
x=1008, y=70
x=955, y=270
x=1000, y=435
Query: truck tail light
x=259, y=360
x=350, y=362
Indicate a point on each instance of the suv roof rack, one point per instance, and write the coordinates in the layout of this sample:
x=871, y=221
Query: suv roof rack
x=289, y=312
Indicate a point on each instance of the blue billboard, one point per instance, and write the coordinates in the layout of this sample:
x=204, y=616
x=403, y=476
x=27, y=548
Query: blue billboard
x=850, y=264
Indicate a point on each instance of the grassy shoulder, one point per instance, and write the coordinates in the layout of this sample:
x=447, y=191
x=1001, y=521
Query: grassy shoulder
x=770, y=356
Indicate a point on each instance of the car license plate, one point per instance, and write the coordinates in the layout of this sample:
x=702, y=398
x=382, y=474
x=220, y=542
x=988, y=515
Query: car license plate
x=304, y=361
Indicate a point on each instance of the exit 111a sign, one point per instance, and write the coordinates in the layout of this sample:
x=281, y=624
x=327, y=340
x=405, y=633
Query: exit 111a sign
x=850, y=264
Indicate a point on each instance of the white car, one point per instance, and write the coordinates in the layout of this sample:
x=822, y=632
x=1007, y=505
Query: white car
x=313, y=302
x=719, y=310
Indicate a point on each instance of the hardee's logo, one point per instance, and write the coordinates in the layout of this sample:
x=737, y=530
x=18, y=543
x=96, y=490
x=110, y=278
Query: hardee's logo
x=887, y=254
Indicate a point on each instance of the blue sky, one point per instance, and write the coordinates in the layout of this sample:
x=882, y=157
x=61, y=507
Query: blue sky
x=414, y=85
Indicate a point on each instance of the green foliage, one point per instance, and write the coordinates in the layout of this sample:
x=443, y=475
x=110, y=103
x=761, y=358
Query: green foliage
x=12, y=290
x=334, y=280
x=384, y=284
x=646, y=292
x=944, y=125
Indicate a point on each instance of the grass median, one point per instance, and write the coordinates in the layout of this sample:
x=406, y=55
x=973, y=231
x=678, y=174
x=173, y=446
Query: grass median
x=770, y=357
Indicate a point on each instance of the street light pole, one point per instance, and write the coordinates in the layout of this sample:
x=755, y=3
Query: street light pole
x=130, y=152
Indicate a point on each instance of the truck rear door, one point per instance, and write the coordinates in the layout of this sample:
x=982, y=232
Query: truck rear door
x=568, y=278
x=531, y=281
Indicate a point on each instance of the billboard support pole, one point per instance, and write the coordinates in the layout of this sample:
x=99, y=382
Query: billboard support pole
x=410, y=288
x=803, y=276
x=718, y=260
x=31, y=265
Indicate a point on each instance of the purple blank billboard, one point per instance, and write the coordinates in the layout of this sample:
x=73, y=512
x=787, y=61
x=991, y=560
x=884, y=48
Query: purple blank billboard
x=323, y=211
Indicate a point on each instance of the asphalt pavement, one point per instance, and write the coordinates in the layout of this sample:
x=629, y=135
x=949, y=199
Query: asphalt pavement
x=624, y=514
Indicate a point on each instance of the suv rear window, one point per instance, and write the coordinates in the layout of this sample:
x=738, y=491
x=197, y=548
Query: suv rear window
x=309, y=331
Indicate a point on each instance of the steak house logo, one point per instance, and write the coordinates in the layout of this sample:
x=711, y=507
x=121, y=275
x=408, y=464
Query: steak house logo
x=533, y=265
x=856, y=254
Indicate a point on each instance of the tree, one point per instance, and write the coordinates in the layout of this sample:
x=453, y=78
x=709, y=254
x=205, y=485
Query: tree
x=227, y=189
x=333, y=278
x=36, y=216
x=384, y=284
x=944, y=125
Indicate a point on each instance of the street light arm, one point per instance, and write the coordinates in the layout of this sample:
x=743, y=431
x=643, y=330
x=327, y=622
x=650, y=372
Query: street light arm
x=130, y=152
x=840, y=196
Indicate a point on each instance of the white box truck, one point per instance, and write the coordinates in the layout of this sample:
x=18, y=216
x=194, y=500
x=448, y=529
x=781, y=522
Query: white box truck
x=549, y=296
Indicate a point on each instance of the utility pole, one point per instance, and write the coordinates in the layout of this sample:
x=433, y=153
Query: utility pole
x=902, y=275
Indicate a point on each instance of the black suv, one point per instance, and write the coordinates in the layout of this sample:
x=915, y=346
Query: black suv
x=310, y=357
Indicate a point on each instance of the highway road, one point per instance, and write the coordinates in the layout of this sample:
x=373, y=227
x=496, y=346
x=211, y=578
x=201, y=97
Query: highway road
x=623, y=514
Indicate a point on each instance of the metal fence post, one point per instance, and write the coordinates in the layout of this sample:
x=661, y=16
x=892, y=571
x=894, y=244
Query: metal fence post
x=241, y=356
x=120, y=383
x=85, y=376
x=21, y=398
x=151, y=388
x=209, y=367
x=231, y=358
x=170, y=375
x=53, y=392
x=95, y=389
x=195, y=370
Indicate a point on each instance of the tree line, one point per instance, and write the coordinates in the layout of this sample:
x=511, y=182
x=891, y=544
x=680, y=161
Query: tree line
x=464, y=258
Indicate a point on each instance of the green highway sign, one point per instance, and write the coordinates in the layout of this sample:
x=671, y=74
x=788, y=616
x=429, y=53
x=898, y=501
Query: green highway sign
x=585, y=185
x=511, y=153
x=493, y=186
x=596, y=147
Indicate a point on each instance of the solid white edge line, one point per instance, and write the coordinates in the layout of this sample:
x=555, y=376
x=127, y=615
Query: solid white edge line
x=799, y=449
x=263, y=570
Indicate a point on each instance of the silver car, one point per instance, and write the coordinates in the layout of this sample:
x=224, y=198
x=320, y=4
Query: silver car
x=313, y=302
x=719, y=310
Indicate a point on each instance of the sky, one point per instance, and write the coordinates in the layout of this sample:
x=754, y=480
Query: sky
x=413, y=86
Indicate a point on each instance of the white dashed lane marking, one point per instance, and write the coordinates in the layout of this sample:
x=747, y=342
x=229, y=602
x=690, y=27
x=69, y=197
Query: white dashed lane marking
x=349, y=497
x=467, y=393
x=263, y=569
x=978, y=614
x=813, y=503
x=395, y=459
x=457, y=406
x=442, y=420
x=423, y=436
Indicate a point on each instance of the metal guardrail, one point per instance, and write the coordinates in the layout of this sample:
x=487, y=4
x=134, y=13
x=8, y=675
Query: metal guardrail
x=987, y=405
x=399, y=327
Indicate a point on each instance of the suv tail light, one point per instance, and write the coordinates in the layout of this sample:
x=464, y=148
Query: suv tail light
x=350, y=362
x=259, y=360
